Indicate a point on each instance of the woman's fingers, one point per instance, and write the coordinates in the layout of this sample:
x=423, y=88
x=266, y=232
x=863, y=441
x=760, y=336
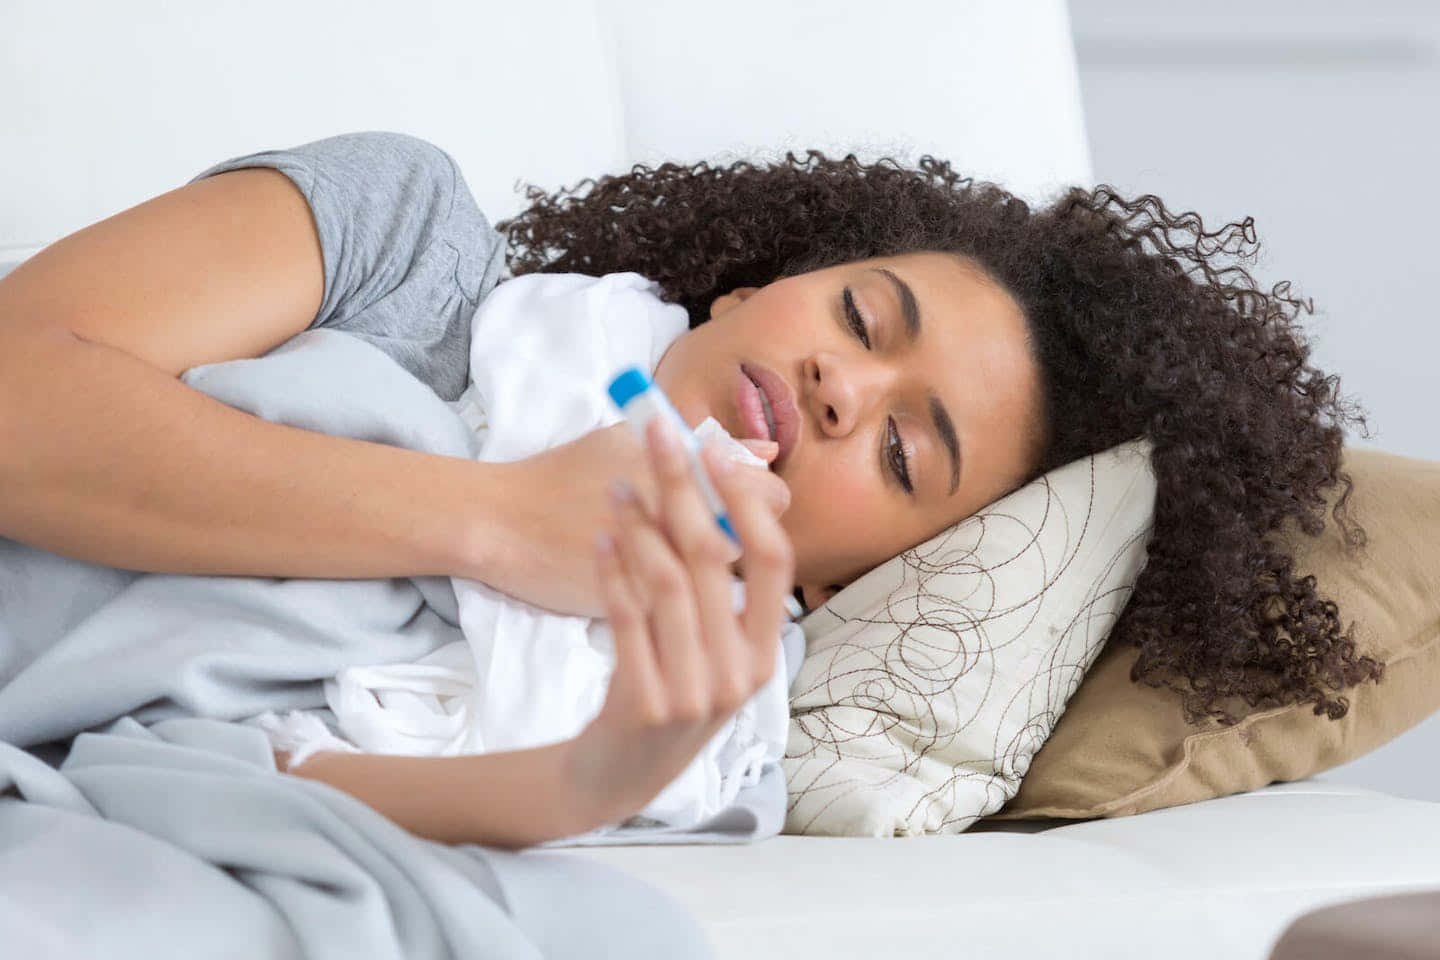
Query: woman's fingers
x=683, y=663
x=670, y=593
x=707, y=552
x=766, y=450
x=769, y=563
x=662, y=585
x=636, y=675
x=761, y=484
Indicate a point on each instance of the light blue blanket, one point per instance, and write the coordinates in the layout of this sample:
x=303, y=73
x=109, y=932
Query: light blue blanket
x=138, y=819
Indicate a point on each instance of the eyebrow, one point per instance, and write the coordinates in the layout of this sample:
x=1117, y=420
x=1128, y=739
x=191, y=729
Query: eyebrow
x=944, y=426
x=946, y=429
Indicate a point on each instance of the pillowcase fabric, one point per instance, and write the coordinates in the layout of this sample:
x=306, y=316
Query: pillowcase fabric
x=930, y=682
x=1124, y=748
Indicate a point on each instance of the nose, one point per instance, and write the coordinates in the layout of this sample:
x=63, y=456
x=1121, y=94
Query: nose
x=840, y=391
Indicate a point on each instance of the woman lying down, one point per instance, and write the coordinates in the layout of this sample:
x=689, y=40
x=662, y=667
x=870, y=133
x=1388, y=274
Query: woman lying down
x=897, y=346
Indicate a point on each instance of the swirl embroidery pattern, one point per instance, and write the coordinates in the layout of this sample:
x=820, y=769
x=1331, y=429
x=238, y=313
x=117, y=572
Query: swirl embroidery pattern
x=930, y=682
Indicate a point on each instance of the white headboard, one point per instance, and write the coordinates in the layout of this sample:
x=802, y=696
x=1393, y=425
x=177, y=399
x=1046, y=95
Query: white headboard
x=106, y=105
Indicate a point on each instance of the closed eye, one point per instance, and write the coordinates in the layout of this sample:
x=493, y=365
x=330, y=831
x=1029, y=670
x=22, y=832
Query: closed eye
x=897, y=457
x=857, y=323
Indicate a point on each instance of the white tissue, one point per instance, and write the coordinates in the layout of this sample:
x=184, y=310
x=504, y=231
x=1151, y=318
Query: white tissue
x=710, y=429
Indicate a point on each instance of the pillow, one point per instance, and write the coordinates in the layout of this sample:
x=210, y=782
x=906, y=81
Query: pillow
x=1123, y=748
x=930, y=682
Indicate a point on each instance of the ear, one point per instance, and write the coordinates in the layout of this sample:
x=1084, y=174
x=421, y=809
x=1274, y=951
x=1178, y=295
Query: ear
x=729, y=301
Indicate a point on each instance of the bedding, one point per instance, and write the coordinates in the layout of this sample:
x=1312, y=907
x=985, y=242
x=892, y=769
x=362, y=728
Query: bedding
x=1215, y=880
x=1123, y=748
x=178, y=839
x=930, y=682
x=120, y=696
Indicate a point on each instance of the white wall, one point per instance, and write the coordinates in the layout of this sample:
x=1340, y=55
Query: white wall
x=105, y=105
x=1317, y=117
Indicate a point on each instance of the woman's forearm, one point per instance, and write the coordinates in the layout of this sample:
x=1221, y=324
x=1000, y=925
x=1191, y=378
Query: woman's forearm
x=109, y=460
x=511, y=799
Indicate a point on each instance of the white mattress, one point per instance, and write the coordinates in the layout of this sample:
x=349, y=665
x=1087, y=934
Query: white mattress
x=1220, y=879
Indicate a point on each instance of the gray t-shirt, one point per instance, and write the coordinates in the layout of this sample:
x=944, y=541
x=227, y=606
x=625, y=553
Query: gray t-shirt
x=408, y=254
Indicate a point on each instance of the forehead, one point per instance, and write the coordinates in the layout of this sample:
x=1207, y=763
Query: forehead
x=952, y=283
x=967, y=318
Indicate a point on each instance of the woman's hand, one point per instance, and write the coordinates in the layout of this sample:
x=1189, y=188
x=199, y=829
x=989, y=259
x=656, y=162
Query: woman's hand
x=685, y=661
x=538, y=535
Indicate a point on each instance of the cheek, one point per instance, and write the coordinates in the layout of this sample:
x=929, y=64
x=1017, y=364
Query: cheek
x=693, y=373
x=833, y=517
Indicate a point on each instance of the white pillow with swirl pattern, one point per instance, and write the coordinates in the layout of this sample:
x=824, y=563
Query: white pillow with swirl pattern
x=930, y=682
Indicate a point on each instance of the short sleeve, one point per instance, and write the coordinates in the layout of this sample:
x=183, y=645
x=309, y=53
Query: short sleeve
x=407, y=253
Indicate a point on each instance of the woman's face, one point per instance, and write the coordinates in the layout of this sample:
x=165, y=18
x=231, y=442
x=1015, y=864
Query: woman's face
x=882, y=444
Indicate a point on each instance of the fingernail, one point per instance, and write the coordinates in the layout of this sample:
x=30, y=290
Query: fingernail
x=621, y=492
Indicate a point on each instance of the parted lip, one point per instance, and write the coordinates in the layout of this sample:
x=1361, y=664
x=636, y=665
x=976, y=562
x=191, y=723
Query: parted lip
x=782, y=407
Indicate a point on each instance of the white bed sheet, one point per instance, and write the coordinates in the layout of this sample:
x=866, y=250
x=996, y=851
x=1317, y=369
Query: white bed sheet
x=1221, y=878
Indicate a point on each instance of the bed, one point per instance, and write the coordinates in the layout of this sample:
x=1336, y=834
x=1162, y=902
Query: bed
x=1222, y=878
x=140, y=98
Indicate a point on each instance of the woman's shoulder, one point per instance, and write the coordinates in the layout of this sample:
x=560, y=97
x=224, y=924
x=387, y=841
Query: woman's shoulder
x=408, y=255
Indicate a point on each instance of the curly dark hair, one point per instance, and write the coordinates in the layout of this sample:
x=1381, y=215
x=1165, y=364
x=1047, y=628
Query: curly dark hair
x=1138, y=330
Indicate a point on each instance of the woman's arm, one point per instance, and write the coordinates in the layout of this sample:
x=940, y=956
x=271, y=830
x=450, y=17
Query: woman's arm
x=107, y=457
x=511, y=799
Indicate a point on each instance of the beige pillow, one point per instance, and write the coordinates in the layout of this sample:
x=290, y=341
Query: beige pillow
x=1123, y=748
x=930, y=682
